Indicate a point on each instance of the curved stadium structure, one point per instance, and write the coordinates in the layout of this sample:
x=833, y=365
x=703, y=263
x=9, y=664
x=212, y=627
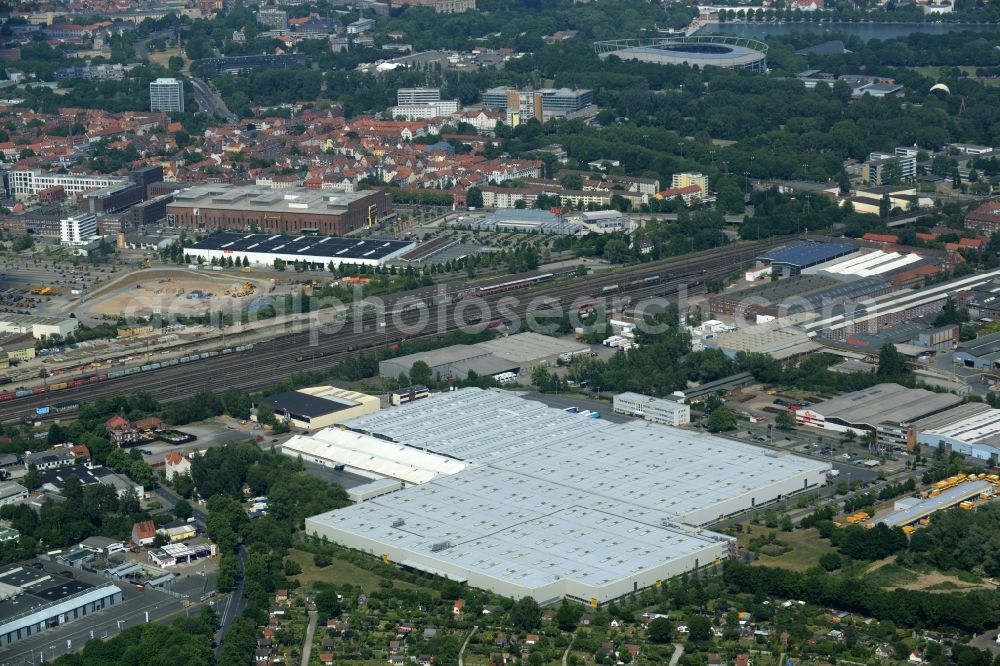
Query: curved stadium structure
x=705, y=51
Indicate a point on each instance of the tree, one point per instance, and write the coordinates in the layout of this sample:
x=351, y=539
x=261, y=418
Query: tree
x=526, y=615
x=56, y=435
x=830, y=561
x=660, y=630
x=327, y=604
x=265, y=415
x=540, y=377
x=182, y=509
x=785, y=421
x=474, y=197
x=279, y=264
x=420, y=373
x=891, y=364
x=721, y=420
x=568, y=616
x=699, y=629
x=32, y=480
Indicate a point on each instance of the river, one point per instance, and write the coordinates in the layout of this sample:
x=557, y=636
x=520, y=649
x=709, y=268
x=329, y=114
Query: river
x=866, y=31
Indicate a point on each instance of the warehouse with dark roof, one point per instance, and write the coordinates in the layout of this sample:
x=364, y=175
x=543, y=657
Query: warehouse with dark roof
x=791, y=259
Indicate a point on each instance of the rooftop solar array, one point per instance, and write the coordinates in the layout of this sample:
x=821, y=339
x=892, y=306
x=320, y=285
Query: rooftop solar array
x=334, y=247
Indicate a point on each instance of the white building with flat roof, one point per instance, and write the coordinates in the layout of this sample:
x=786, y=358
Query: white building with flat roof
x=549, y=504
x=27, y=183
x=655, y=410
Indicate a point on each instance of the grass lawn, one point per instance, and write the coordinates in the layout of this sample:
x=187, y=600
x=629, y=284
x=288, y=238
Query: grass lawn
x=807, y=546
x=338, y=573
x=891, y=576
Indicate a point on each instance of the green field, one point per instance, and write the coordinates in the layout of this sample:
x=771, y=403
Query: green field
x=338, y=573
x=807, y=546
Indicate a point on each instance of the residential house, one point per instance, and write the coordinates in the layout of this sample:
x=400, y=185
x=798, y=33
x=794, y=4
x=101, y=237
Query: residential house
x=120, y=431
x=175, y=465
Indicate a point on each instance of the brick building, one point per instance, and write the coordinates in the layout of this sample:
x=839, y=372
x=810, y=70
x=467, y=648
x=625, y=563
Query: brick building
x=985, y=219
x=295, y=211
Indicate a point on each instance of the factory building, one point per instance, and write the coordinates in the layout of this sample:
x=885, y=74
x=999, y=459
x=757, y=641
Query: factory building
x=654, y=410
x=317, y=407
x=33, y=599
x=888, y=410
x=982, y=353
x=972, y=429
x=541, y=501
x=526, y=221
x=518, y=353
x=39, y=326
x=795, y=257
x=292, y=211
x=319, y=251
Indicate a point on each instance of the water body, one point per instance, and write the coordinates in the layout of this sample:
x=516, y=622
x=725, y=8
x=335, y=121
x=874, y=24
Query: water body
x=866, y=31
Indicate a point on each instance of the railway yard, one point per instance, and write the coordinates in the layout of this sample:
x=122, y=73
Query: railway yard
x=331, y=335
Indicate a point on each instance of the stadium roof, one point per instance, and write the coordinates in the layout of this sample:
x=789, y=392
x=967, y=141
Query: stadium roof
x=885, y=403
x=806, y=253
x=341, y=249
x=553, y=504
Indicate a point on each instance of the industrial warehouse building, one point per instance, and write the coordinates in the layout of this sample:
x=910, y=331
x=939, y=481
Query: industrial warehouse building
x=982, y=353
x=888, y=410
x=320, y=406
x=795, y=257
x=549, y=504
x=291, y=211
x=39, y=326
x=33, y=599
x=972, y=429
x=518, y=353
x=263, y=249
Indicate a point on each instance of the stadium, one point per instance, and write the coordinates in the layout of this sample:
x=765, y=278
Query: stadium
x=705, y=51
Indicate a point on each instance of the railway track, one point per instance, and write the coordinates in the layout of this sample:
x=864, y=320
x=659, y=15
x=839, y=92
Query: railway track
x=271, y=361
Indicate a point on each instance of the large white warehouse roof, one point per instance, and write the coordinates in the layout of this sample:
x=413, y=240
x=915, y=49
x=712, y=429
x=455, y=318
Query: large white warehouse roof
x=552, y=504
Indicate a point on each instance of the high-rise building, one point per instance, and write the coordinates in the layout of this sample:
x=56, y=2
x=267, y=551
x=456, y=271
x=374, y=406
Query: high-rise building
x=166, y=95
x=688, y=178
x=78, y=229
x=417, y=96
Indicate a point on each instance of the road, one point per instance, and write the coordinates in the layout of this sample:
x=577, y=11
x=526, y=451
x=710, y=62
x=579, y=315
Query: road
x=234, y=603
x=678, y=653
x=209, y=102
x=569, y=647
x=308, y=645
x=461, y=652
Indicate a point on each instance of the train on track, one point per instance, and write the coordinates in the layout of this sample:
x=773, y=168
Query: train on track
x=115, y=374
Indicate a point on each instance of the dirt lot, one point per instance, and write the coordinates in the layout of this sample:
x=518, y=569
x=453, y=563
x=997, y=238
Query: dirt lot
x=171, y=292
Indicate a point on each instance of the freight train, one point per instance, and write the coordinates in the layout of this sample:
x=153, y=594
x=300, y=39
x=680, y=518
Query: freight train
x=114, y=374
